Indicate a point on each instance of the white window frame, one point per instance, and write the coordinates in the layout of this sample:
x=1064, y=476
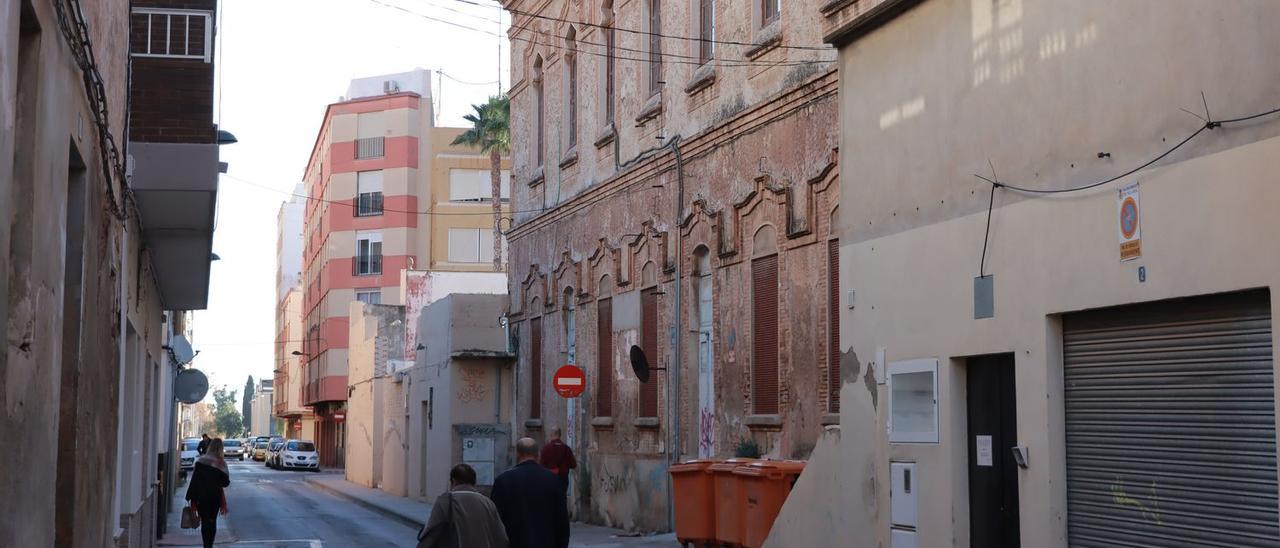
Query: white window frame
x=370, y=291
x=206, y=55
x=370, y=183
x=480, y=190
x=455, y=253
x=372, y=238
x=928, y=365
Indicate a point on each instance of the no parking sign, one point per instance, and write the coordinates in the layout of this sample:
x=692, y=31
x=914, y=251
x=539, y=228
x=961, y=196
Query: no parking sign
x=1130, y=223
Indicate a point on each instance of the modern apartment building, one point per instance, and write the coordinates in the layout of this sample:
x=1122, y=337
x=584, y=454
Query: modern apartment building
x=386, y=193
x=299, y=421
x=263, y=422
x=675, y=191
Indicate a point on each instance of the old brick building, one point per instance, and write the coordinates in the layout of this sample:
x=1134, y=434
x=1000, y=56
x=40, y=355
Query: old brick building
x=674, y=169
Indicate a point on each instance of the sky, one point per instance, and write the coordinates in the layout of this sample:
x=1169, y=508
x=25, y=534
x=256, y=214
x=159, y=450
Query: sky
x=279, y=64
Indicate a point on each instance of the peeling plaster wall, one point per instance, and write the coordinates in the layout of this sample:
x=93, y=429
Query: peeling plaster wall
x=376, y=339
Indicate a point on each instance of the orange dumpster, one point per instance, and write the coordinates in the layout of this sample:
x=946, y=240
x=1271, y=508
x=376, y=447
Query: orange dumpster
x=695, y=501
x=765, y=486
x=730, y=501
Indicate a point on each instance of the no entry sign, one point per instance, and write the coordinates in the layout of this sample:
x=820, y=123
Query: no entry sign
x=569, y=381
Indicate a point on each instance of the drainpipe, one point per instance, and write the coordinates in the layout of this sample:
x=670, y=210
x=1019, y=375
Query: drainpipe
x=673, y=368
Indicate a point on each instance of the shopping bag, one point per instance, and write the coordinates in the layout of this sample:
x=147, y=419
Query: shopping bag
x=190, y=519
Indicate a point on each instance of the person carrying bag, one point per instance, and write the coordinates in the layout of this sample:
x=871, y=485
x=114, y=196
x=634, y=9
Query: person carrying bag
x=463, y=517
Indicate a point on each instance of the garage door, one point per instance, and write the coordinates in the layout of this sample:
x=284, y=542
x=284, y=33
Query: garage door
x=1170, y=421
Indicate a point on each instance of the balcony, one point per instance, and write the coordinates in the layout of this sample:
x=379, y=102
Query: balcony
x=331, y=388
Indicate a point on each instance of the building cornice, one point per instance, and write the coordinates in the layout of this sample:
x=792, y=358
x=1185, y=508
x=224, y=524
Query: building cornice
x=848, y=20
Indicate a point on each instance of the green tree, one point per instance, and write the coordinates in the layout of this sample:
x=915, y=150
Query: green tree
x=491, y=132
x=246, y=407
x=226, y=420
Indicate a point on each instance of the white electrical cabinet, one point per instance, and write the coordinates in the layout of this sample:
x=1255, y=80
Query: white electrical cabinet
x=902, y=492
x=903, y=486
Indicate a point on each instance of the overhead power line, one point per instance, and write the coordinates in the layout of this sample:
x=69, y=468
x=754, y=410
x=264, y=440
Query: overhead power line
x=464, y=82
x=648, y=33
x=350, y=203
x=673, y=58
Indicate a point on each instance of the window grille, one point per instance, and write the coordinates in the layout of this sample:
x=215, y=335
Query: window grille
x=172, y=34
x=370, y=147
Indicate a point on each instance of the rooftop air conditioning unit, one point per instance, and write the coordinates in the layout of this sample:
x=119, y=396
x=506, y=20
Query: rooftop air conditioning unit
x=390, y=86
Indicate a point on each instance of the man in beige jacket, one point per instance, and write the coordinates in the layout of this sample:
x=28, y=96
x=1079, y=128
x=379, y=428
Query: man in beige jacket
x=463, y=517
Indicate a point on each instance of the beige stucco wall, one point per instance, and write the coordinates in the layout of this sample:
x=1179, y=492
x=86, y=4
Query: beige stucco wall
x=1037, y=88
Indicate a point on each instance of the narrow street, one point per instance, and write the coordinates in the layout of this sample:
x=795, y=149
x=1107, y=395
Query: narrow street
x=279, y=509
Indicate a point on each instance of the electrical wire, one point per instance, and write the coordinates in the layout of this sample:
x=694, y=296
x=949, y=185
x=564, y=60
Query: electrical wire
x=348, y=203
x=464, y=82
x=673, y=58
x=649, y=33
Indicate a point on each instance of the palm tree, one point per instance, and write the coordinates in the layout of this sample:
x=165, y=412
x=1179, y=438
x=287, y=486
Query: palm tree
x=491, y=132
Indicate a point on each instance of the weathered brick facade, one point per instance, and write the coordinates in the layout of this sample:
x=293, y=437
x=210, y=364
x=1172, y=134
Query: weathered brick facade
x=756, y=135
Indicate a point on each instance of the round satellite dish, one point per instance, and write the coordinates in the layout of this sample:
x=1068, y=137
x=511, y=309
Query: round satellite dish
x=182, y=352
x=639, y=364
x=190, y=386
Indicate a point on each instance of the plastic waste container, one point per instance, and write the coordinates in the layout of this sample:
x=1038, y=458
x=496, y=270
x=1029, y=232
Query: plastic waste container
x=764, y=486
x=695, y=501
x=730, y=501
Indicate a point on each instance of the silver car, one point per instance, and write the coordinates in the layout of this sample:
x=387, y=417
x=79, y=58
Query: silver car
x=233, y=449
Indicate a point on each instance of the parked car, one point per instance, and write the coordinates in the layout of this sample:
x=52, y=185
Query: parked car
x=187, y=454
x=273, y=450
x=233, y=449
x=260, y=450
x=298, y=454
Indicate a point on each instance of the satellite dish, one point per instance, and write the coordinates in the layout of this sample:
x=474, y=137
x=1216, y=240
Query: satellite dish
x=639, y=363
x=181, y=349
x=190, y=386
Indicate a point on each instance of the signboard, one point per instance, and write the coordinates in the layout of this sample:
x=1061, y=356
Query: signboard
x=569, y=381
x=1127, y=207
x=339, y=416
x=982, y=446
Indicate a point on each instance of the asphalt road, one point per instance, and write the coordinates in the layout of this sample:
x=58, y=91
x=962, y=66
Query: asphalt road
x=274, y=508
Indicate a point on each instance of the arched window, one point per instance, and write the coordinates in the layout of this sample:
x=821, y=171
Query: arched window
x=538, y=119
x=833, y=318
x=655, y=45
x=535, y=361
x=570, y=323
x=649, y=337
x=764, y=322
x=706, y=21
x=571, y=83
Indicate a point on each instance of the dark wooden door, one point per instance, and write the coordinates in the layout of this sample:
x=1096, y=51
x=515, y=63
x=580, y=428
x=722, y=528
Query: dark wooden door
x=993, y=474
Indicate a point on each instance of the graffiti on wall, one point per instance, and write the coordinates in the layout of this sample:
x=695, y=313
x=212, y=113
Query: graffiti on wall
x=473, y=386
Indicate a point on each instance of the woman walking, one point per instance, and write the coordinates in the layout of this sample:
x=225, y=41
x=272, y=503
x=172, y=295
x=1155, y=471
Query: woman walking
x=204, y=492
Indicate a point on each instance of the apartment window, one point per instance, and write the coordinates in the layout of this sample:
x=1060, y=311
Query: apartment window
x=368, y=193
x=764, y=323
x=371, y=128
x=604, y=361
x=609, y=62
x=833, y=326
x=539, y=146
x=476, y=185
x=655, y=46
x=473, y=245
x=173, y=34
x=368, y=259
x=769, y=10
x=369, y=296
x=706, y=30
x=535, y=367
x=571, y=70
x=649, y=343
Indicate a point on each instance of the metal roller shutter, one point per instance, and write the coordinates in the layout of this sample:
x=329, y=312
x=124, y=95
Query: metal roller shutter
x=649, y=342
x=604, y=361
x=1170, y=424
x=535, y=369
x=833, y=326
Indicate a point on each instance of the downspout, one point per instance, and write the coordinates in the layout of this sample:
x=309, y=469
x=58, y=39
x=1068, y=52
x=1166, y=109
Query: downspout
x=673, y=368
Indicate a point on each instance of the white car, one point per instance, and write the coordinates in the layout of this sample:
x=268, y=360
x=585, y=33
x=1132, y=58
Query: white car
x=187, y=454
x=232, y=449
x=300, y=454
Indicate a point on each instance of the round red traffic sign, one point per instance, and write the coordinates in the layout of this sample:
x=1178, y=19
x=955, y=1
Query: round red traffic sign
x=569, y=381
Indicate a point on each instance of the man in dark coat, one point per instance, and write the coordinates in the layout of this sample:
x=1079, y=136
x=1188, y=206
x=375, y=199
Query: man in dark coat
x=204, y=444
x=558, y=458
x=531, y=502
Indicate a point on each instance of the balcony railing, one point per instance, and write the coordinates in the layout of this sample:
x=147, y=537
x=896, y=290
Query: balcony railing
x=366, y=265
x=370, y=147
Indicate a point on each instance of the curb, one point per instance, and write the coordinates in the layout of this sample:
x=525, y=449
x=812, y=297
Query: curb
x=407, y=520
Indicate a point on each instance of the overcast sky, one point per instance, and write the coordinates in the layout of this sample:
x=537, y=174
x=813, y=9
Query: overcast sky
x=281, y=62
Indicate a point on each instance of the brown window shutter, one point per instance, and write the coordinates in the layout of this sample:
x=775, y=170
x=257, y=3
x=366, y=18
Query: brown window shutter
x=649, y=343
x=604, y=359
x=833, y=325
x=535, y=369
x=764, y=335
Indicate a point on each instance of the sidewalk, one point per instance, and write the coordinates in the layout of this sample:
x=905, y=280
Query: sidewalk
x=414, y=513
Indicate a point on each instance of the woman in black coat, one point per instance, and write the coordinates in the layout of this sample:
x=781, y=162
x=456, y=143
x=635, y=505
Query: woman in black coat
x=208, y=479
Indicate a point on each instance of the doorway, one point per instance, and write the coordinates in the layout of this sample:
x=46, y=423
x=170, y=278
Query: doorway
x=993, y=431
